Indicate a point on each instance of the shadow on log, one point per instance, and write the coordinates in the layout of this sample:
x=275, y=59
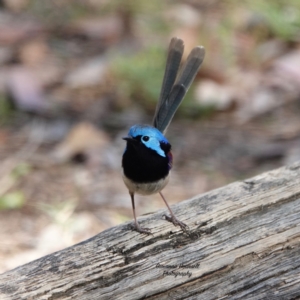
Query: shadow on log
x=244, y=243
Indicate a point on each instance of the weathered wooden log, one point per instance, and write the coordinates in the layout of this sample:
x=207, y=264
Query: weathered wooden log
x=244, y=243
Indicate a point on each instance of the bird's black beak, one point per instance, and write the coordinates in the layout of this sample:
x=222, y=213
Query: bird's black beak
x=129, y=139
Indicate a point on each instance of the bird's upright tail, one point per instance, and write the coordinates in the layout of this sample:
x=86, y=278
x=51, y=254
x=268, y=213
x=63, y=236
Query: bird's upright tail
x=173, y=92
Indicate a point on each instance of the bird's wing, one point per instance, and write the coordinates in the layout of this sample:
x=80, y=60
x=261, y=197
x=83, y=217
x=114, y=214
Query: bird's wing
x=170, y=103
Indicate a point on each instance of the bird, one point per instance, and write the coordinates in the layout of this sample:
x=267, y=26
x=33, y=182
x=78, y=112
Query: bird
x=147, y=159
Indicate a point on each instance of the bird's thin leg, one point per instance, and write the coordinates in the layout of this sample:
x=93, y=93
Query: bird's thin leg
x=138, y=228
x=173, y=219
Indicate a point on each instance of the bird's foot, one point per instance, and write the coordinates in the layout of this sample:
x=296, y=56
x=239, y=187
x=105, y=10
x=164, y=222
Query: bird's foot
x=140, y=229
x=176, y=222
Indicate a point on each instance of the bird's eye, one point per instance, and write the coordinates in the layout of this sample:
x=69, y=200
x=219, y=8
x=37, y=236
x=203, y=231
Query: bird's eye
x=145, y=138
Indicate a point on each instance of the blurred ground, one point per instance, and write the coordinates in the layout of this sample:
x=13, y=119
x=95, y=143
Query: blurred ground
x=75, y=75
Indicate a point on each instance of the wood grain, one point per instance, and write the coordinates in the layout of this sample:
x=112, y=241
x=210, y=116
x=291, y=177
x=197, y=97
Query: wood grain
x=244, y=243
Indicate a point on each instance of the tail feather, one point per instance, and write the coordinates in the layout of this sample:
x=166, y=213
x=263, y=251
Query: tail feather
x=172, y=93
x=191, y=67
x=175, y=53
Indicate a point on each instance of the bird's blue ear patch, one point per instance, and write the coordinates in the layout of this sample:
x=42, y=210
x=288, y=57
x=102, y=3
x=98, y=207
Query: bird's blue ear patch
x=151, y=137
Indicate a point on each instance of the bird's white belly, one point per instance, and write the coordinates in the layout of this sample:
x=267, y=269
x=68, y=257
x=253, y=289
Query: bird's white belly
x=145, y=188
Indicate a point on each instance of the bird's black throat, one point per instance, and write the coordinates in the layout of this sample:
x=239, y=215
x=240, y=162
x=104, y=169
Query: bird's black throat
x=143, y=165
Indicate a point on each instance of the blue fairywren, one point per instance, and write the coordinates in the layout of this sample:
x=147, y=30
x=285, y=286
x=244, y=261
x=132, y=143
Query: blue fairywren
x=147, y=159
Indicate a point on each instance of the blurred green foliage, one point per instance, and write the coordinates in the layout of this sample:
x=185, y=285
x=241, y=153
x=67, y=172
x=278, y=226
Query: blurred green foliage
x=12, y=200
x=283, y=17
x=141, y=74
x=21, y=170
x=6, y=109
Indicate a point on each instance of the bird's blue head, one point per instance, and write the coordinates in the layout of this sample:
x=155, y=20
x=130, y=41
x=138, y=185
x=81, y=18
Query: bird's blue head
x=150, y=136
